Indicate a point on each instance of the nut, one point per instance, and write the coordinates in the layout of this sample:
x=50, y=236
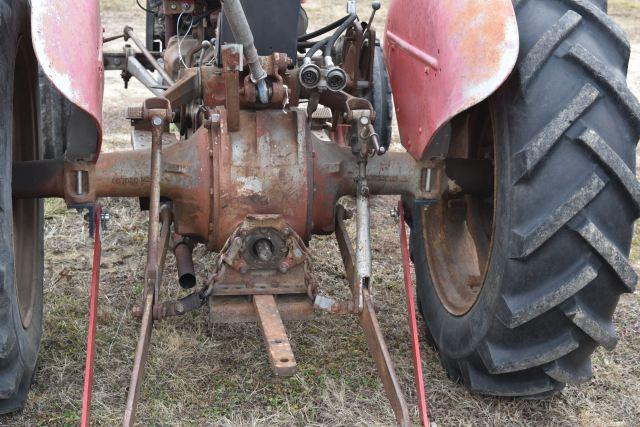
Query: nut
x=283, y=267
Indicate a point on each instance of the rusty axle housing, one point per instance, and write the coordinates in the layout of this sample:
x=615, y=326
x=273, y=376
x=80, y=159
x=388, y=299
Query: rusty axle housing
x=273, y=165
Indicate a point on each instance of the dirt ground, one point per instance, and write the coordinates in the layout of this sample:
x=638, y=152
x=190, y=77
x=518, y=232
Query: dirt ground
x=199, y=375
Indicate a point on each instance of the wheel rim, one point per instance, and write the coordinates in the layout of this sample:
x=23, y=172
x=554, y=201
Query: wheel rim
x=458, y=231
x=26, y=212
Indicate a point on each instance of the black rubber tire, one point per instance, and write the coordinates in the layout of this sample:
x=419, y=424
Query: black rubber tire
x=567, y=126
x=18, y=345
x=55, y=110
x=381, y=100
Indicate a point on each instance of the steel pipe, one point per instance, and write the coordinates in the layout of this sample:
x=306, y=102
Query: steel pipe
x=242, y=33
x=137, y=70
x=183, y=251
x=128, y=31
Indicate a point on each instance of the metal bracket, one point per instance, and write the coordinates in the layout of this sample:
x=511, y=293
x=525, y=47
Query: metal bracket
x=231, y=67
x=158, y=112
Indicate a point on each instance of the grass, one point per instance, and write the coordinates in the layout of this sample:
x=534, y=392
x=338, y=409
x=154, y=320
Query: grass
x=199, y=374
x=624, y=5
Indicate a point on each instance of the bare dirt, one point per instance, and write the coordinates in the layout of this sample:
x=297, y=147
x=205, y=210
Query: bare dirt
x=199, y=375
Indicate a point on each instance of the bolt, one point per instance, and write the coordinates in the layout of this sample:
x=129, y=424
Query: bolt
x=117, y=61
x=365, y=191
x=104, y=219
x=283, y=267
x=364, y=120
x=156, y=121
x=185, y=6
x=174, y=6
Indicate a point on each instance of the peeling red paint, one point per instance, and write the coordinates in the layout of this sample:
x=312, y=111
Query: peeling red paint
x=67, y=39
x=444, y=57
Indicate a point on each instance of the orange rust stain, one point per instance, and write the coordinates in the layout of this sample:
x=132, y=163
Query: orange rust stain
x=482, y=54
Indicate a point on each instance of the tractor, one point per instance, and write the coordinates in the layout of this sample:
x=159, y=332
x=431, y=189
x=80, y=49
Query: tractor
x=515, y=175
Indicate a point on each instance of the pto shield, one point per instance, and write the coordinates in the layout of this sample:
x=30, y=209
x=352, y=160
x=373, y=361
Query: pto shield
x=444, y=57
x=67, y=39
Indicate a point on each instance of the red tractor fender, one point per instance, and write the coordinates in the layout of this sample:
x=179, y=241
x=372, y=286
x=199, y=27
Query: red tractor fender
x=444, y=57
x=67, y=40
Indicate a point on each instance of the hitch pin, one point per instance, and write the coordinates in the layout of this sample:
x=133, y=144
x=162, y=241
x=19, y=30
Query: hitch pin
x=368, y=132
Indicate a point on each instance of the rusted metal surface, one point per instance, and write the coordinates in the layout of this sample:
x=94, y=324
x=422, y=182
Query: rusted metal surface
x=184, y=90
x=142, y=350
x=336, y=169
x=157, y=111
x=141, y=139
x=231, y=67
x=263, y=256
x=76, y=72
x=444, y=57
x=275, y=337
x=183, y=251
x=176, y=7
x=215, y=178
x=172, y=308
x=239, y=309
x=382, y=358
x=179, y=50
x=218, y=86
x=264, y=168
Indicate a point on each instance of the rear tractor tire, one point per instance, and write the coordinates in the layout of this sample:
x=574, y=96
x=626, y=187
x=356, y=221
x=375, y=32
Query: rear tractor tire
x=518, y=285
x=21, y=221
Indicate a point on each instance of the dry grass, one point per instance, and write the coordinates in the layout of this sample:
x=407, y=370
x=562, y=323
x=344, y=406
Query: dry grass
x=197, y=375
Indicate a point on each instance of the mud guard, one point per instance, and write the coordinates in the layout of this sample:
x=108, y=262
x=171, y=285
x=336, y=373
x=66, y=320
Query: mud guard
x=67, y=40
x=444, y=57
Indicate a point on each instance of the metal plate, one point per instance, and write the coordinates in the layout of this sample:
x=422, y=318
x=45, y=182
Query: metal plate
x=444, y=57
x=67, y=39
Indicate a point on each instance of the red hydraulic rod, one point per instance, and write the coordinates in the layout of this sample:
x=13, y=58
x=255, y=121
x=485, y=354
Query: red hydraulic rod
x=93, y=319
x=411, y=312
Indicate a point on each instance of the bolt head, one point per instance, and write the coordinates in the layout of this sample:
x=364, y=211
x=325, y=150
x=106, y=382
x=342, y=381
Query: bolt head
x=174, y=6
x=156, y=121
x=364, y=121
